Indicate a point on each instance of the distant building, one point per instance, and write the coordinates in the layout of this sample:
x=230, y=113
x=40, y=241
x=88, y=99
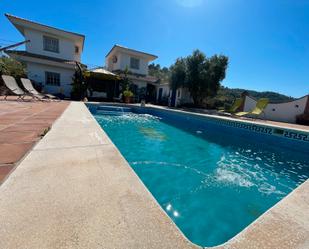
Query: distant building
x=50, y=56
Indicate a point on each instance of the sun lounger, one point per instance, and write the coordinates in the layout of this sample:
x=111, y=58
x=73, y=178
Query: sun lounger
x=259, y=108
x=27, y=84
x=237, y=103
x=12, y=85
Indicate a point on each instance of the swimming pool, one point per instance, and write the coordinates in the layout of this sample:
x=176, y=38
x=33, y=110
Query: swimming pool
x=211, y=177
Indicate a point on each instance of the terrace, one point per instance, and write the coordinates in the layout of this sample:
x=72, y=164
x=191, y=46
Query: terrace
x=22, y=124
x=73, y=189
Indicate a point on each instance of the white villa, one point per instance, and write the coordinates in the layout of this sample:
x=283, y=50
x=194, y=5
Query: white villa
x=50, y=56
x=120, y=58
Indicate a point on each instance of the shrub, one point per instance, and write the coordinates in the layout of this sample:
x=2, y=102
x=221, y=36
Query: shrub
x=128, y=93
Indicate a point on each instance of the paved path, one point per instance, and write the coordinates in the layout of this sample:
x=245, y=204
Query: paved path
x=22, y=124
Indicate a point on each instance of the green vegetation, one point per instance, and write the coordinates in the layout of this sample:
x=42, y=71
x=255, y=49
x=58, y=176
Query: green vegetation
x=226, y=96
x=12, y=67
x=46, y=130
x=79, y=85
x=163, y=74
x=126, y=82
x=200, y=75
x=178, y=73
x=128, y=93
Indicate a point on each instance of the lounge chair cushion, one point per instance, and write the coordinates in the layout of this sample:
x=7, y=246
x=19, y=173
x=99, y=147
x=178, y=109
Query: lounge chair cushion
x=241, y=113
x=11, y=84
x=27, y=84
x=258, y=109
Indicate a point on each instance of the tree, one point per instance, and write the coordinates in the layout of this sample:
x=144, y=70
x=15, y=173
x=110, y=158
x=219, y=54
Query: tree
x=178, y=74
x=12, y=67
x=153, y=68
x=126, y=82
x=79, y=84
x=161, y=73
x=199, y=74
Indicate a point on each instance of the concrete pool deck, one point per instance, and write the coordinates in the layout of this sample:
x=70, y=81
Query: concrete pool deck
x=75, y=190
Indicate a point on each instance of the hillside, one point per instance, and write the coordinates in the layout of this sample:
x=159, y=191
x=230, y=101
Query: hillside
x=236, y=92
x=226, y=96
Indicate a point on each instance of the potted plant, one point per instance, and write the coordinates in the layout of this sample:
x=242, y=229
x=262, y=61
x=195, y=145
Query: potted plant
x=127, y=94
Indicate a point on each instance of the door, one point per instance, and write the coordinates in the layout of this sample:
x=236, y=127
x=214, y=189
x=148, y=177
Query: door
x=173, y=98
x=151, y=94
x=160, y=95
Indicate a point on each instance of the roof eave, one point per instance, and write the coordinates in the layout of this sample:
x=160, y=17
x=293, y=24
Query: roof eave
x=24, y=55
x=151, y=57
x=19, y=23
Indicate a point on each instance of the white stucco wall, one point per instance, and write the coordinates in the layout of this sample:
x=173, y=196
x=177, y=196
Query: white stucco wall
x=183, y=96
x=110, y=65
x=250, y=103
x=165, y=91
x=123, y=61
x=36, y=72
x=66, y=46
x=284, y=112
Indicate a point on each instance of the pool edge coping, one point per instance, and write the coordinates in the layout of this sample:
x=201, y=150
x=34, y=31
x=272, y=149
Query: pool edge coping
x=259, y=122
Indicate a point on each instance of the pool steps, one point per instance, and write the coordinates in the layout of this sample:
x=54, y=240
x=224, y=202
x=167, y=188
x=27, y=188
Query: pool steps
x=112, y=110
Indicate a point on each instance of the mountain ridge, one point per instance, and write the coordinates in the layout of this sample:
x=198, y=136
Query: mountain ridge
x=274, y=97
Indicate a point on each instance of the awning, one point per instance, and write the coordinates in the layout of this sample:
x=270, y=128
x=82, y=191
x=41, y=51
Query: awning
x=103, y=74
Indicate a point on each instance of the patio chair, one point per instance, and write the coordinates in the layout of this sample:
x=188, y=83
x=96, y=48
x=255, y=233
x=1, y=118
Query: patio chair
x=27, y=84
x=257, y=110
x=11, y=84
x=237, y=103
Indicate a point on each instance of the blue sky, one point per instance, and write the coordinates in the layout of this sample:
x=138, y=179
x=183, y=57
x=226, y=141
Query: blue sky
x=266, y=40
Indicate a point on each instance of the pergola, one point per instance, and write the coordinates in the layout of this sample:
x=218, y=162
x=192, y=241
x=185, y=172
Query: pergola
x=103, y=81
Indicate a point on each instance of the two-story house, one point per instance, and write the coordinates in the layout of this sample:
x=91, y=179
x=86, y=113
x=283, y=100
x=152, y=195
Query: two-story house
x=120, y=58
x=50, y=56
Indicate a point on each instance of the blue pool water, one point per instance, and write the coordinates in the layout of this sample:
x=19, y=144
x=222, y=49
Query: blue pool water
x=211, y=182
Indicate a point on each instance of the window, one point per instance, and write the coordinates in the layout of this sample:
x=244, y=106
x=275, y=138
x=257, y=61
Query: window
x=134, y=63
x=76, y=49
x=51, y=44
x=52, y=79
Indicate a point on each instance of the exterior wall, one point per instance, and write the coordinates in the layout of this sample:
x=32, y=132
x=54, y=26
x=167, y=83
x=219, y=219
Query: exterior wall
x=284, y=112
x=183, y=96
x=110, y=65
x=123, y=61
x=36, y=72
x=250, y=103
x=165, y=91
x=66, y=46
